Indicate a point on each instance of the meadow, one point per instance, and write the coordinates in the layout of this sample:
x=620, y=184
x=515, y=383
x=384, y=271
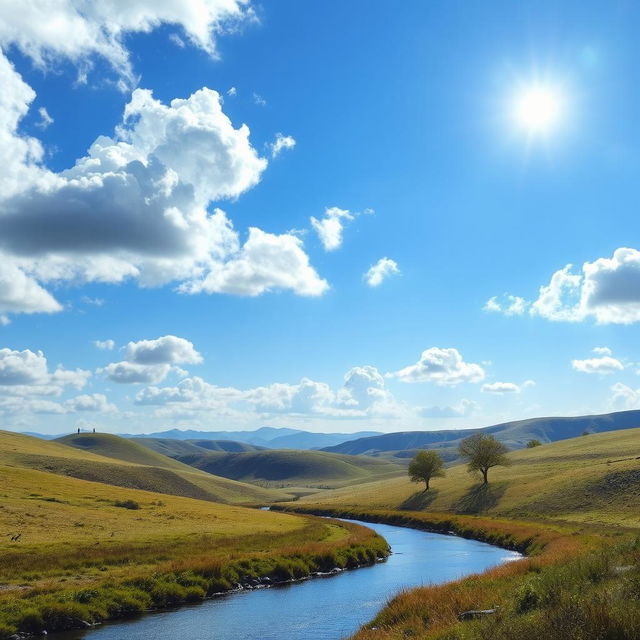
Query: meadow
x=573, y=507
x=76, y=551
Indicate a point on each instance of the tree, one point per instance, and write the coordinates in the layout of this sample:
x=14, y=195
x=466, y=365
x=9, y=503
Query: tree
x=426, y=465
x=481, y=452
x=533, y=443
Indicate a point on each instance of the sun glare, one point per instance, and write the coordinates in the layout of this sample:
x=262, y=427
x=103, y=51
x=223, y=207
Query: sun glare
x=538, y=109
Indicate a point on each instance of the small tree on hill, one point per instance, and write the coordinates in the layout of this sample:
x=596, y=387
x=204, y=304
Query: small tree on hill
x=426, y=465
x=481, y=452
x=533, y=443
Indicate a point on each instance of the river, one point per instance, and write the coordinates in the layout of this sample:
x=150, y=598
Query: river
x=328, y=608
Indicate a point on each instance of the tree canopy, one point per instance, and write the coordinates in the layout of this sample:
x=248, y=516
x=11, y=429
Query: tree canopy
x=426, y=465
x=481, y=452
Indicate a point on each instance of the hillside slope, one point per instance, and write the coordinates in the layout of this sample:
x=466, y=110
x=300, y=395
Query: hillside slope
x=167, y=476
x=514, y=434
x=594, y=478
x=293, y=468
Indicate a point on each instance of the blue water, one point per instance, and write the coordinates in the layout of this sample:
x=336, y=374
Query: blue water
x=327, y=608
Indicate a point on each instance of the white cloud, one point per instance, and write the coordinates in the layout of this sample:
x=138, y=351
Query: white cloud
x=602, y=351
x=329, y=228
x=362, y=395
x=603, y=365
x=131, y=373
x=232, y=92
x=445, y=367
x=624, y=397
x=259, y=100
x=94, y=402
x=150, y=361
x=45, y=118
x=77, y=29
x=266, y=262
x=510, y=306
x=27, y=373
x=104, y=345
x=463, y=409
x=501, y=388
x=136, y=206
x=280, y=143
x=606, y=290
x=380, y=270
x=164, y=350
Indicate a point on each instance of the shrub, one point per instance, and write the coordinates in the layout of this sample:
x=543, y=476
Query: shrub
x=165, y=594
x=533, y=443
x=59, y=616
x=127, y=504
x=30, y=621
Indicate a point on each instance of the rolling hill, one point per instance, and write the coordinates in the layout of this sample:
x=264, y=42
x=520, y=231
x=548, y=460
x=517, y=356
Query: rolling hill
x=592, y=478
x=293, y=468
x=514, y=434
x=116, y=461
x=271, y=437
x=175, y=448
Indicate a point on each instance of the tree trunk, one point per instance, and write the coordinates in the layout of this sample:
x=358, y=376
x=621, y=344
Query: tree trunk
x=426, y=481
x=485, y=480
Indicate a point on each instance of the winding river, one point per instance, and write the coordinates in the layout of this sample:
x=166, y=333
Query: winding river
x=326, y=608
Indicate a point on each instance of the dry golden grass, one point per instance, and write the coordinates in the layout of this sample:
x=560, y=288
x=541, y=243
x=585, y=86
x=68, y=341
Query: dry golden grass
x=163, y=476
x=591, y=479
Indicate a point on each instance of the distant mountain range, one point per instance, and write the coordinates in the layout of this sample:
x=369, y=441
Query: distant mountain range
x=515, y=435
x=270, y=437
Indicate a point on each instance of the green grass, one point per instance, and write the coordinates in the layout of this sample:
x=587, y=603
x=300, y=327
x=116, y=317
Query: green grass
x=174, y=448
x=292, y=468
x=590, y=479
x=112, y=446
x=166, y=476
x=91, y=551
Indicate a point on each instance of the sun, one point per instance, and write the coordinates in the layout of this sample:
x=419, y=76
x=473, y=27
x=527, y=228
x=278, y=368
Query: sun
x=538, y=109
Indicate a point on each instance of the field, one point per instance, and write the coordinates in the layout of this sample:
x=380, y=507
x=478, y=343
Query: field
x=118, y=461
x=289, y=468
x=75, y=550
x=573, y=506
x=590, y=479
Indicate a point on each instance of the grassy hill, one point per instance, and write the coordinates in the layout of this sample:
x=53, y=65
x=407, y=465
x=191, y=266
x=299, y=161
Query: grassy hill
x=293, y=468
x=73, y=550
x=593, y=478
x=118, y=461
x=514, y=434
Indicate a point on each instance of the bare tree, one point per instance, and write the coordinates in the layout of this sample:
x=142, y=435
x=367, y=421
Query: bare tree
x=426, y=465
x=481, y=452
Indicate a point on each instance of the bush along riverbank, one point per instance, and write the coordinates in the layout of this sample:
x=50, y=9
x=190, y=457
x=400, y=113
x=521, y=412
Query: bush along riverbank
x=574, y=584
x=25, y=614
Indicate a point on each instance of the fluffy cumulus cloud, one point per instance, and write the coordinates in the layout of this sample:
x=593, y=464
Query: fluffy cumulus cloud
x=509, y=305
x=164, y=350
x=606, y=290
x=27, y=372
x=445, y=367
x=330, y=227
x=96, y=402
x=363, y=394
x=603, y=364
x=27, y=383
x=78, y=29
x=266, y=262
x=281, y=143
x=506, y=388
x=150, y=361
x=382, y=269
x=136, y=206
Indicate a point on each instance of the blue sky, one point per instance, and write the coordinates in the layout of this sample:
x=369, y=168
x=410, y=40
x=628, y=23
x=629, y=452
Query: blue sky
x=402, y=135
